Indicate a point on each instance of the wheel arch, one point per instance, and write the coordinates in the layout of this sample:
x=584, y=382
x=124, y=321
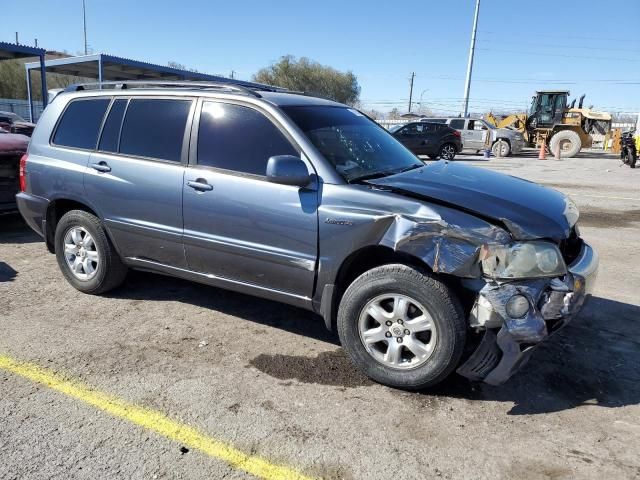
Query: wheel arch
x=585, y=139
x=55, y=211
x=504, y=139
x=356, y=264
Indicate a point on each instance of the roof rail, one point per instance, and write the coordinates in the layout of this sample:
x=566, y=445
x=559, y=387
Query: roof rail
x=248, y=88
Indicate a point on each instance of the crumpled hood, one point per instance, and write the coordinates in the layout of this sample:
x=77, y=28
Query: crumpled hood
x=526, y=209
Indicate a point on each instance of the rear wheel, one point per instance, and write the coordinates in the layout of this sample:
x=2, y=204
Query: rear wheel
x=402, y=327
x=85, y=254
x=447, y=151
x=567, y=141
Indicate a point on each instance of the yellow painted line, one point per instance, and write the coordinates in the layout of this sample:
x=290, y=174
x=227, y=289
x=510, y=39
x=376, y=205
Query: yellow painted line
x=152, y=420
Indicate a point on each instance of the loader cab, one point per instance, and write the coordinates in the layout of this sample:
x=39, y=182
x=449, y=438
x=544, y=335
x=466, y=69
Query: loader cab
x=547, y=109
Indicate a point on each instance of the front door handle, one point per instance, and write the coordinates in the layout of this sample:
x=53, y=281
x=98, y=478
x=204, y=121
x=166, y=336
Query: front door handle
x=101, y=167
x=200, y=184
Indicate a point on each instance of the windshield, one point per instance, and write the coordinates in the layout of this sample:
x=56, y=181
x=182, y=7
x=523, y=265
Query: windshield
x=356, y=146
x=395, y=128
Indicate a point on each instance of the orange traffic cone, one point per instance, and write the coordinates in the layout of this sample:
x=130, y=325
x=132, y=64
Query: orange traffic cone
x=543, y=150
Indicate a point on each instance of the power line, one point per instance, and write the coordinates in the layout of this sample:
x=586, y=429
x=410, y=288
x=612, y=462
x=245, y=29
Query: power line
x=556, y=46
x=510, y=35
x=520, y=52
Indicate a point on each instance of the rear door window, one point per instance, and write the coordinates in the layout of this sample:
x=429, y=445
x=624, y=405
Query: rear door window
x=80, y=123
x=238, y=138
x=154, y=128
x=457, y=123
x=111, y=130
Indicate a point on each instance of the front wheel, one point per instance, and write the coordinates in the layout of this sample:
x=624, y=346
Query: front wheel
x=565, y=142
x=447, y=151
x=402, y=327
x=501, y=148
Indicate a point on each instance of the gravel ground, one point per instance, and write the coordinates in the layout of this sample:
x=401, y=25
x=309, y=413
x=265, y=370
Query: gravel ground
x=270, y=380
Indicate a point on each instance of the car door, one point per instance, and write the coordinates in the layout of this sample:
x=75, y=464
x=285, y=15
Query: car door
x=430, y=139
x=411, y=137
x=237, y=225
x=476, y=133
x=135, y=177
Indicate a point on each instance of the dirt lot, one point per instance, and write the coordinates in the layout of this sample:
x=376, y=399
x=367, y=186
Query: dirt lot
x=269, y=380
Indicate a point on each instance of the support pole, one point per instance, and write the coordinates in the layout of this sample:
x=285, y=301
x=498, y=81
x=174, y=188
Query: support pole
x=43, y=82
x=413, y=74
x=472, y=48
x=29, y=97
x=100, y=71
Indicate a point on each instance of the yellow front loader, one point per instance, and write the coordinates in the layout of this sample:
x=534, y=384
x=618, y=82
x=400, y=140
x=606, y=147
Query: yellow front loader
x=566, y=129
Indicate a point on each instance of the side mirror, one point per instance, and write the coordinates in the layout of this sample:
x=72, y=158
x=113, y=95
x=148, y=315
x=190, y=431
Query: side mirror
x=288, y=170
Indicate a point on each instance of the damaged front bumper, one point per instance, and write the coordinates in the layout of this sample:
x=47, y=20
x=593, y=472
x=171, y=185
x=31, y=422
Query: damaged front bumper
x=508, y=342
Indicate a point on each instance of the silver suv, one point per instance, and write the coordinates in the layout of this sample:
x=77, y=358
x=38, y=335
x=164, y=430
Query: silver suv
x=502, y=142
x=422, y=269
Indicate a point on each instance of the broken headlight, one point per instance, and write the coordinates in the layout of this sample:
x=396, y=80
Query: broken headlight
x=522, y=260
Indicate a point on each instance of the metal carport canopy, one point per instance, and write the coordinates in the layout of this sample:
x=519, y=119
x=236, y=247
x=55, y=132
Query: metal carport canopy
x=12, y=51
x=105, y=67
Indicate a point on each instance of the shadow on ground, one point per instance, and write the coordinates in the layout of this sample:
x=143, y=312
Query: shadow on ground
x=593, y=361
x=14, y=230
x=149, y=286
x=7, y=273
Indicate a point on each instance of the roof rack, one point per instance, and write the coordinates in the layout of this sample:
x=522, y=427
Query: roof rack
x=247, y=88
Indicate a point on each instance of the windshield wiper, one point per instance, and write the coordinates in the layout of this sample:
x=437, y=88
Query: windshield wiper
x=410, y=167
x=370, y=176
x=384, y=173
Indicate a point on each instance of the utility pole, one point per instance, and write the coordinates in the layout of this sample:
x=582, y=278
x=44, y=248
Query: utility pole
x=467, y=84
x=84, y=25
x=233, y=74
x=413, y=74
x=17, y=42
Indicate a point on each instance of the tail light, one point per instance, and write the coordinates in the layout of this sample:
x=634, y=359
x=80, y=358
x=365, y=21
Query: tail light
x=23, y=172
x=457, y=133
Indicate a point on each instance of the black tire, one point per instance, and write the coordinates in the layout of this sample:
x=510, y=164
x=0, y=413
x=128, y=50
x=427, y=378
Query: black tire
x=447, y=151
x=441, y=304
x=565, y=138
x=110, y=271
x=630, y=157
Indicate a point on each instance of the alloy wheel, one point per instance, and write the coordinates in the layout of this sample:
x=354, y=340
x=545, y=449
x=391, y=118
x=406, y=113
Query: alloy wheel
x=81, y=253
x=397, y=331
x=448, y=152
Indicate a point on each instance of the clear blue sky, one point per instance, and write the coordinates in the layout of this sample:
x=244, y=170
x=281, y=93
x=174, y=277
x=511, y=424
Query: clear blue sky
x=583, y=46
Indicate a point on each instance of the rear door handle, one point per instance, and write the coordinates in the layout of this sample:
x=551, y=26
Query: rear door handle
x=200, y=184
x=101, y=167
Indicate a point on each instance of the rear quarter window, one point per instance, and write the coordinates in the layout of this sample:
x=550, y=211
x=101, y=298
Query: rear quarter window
x=80, y=123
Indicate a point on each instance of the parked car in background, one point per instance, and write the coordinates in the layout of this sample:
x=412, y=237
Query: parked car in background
x=432, y=139
x=12, y=147
x=423, y=270
x=474, y=131
x=14, y=123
